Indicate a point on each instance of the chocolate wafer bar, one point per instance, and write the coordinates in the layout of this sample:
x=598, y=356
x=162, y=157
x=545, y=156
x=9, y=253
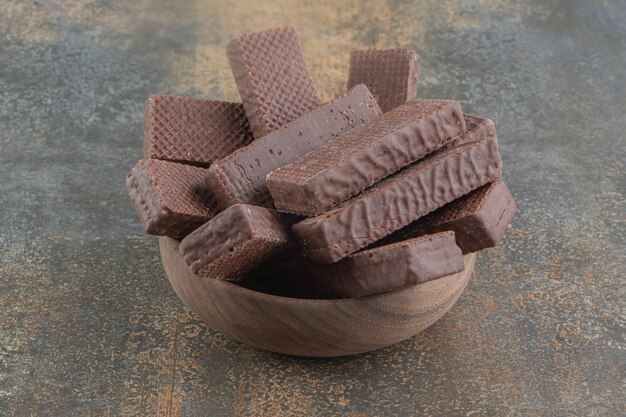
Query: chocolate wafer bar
x=193, y=130
x=478, y=219
x=170, y=199
x=273, y=79
x=240, y=177
x=330, y=175
x=399, y=200
x=391, y=75
x=234, y=242
x=387, y=268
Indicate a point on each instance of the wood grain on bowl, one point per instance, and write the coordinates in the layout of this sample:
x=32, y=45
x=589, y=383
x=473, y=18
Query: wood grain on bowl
x=305, y=327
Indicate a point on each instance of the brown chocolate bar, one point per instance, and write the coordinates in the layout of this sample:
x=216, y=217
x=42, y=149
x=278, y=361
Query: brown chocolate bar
x=193, y=130
x=391, y=75
x=240, y=177
x=234, y=242
x=274, y=82
x=367, y=272
x=333, y=173
x=478, y=219
x=170, y=199
x=388, y=268
x=399, y=200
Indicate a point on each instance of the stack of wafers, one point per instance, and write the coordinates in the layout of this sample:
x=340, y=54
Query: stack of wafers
x=370, y=192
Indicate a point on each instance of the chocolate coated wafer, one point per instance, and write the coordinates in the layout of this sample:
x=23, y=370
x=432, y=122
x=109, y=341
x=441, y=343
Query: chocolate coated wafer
x=333, y=173
x=193, y=130
x=170, y=199
x=387, y=268
x=234, y=242
x=367, y=272
x=391, y=75
x=273, y=79
x=399, y=200
x=240, y=177
x=478, y=219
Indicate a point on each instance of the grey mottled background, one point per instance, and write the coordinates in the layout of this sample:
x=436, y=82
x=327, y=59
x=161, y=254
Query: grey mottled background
x=88, y=322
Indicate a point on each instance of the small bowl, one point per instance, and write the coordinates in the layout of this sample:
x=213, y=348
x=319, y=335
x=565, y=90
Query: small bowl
x=308, y=327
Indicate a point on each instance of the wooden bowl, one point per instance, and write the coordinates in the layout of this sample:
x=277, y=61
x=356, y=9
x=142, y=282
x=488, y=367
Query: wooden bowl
x=306, y=327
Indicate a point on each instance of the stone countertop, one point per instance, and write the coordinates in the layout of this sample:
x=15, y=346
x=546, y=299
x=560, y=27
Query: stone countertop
x=88, y=322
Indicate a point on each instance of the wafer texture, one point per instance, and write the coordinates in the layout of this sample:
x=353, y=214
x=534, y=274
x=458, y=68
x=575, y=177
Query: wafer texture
x=399, y=200
x=478, y=219
x=235, y=242
x=326, y=177
x=391, y=75
x=170, y=198
x=272, y=77
x=193, y=130
x=241, y=176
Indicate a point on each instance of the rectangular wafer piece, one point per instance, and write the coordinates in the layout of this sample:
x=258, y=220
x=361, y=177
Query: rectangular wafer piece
x=240, y=177
x=330, y=175
x=273, y=79
x=399, y=200
x=375, y=270
x=391, y=75
x=387, y=268
x=478, y=219
x=193, y=130
x=170, y=199
x=234, y=242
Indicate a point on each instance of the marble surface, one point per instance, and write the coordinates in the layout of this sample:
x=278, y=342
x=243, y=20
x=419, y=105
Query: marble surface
x=88, y=322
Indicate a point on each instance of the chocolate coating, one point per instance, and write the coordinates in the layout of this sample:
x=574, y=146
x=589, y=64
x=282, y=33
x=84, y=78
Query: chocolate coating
x=193, y=130
x=387, y=268
x=398, y=200
x=478, y=219
x=367, y=272
x=391, y=75
x=330, y=175
x=234, y=242
x=273, y=79
x=170, y=199
x=241, y=176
